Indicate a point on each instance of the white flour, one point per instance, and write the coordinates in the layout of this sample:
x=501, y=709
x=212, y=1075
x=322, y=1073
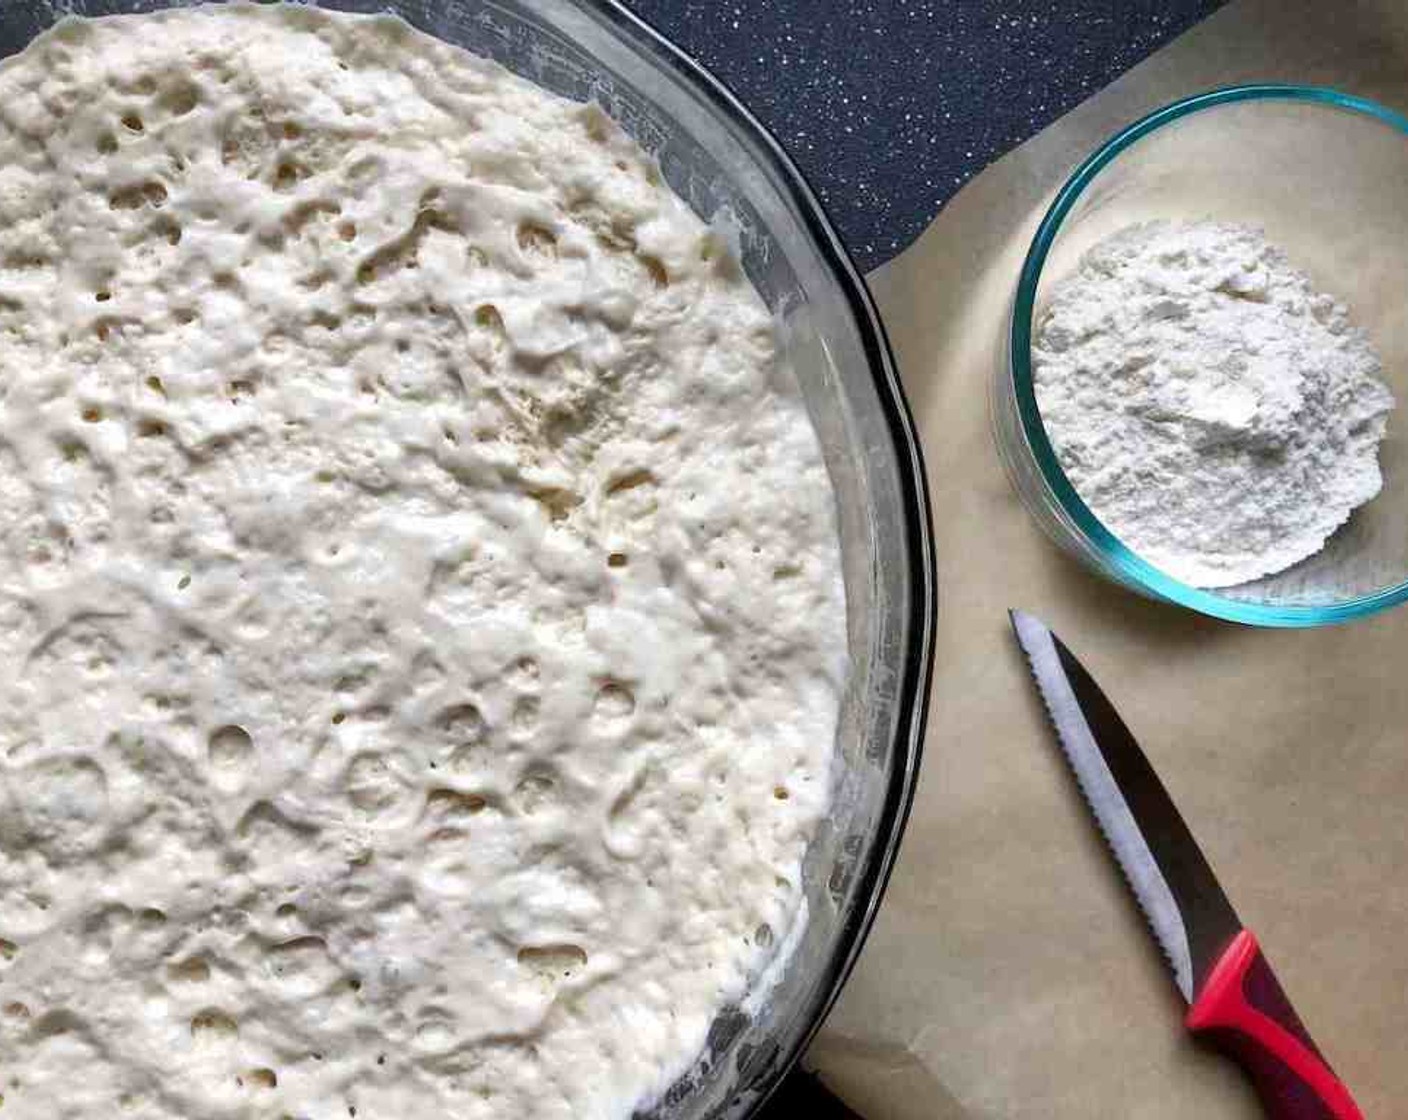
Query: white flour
x=1218, y=414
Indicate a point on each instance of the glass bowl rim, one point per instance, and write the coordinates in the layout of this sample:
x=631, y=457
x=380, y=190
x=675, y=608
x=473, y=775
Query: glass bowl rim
x=1130, y=566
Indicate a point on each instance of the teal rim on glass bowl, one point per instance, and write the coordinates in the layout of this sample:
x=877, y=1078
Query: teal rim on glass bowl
x=1126, y=566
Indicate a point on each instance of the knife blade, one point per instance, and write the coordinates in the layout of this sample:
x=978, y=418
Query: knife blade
x=1235, y=1001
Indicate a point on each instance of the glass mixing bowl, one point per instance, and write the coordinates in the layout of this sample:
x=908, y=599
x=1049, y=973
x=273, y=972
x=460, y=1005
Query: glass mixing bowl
x=718, y=158
x=1322, y=173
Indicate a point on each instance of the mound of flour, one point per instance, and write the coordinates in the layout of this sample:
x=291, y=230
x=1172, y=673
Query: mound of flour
x=421, y=617
x=1219, y=415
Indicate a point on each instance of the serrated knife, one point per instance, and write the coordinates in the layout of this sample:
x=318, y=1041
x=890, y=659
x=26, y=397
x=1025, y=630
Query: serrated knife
x=1235, y=1002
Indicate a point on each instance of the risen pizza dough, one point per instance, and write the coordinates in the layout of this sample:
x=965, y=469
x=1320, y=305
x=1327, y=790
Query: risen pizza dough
x=421, y=623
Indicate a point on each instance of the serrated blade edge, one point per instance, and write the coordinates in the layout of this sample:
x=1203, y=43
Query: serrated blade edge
x=1107, y=804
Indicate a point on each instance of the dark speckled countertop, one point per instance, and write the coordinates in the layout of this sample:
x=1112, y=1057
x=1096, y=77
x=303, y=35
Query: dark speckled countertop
x=889, y=106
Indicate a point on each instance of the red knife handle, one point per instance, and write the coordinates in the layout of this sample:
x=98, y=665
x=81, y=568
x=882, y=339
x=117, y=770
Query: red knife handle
x=1243, y=1012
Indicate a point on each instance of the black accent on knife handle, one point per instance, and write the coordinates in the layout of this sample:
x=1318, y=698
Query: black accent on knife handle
x=1243, y=1011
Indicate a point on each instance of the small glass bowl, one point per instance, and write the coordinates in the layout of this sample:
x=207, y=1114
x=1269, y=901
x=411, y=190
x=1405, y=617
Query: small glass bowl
x=1324, y=174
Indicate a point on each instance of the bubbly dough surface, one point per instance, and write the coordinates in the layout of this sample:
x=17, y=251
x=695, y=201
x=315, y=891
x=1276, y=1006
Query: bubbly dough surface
x=421, y=620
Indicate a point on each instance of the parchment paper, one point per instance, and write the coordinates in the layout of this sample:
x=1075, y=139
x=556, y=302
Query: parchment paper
x=1009, y=975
